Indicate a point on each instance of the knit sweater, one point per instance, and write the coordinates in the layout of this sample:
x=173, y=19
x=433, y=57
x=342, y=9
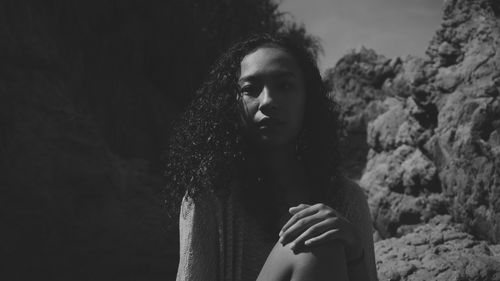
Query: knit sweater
x=220, y=241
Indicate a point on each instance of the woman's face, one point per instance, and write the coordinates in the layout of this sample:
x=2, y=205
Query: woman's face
x=272, y=91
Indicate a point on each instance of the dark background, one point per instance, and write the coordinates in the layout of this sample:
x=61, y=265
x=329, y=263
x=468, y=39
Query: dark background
x=89, y=90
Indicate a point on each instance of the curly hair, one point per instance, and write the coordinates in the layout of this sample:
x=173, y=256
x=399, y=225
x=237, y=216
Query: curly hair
x=207, y=148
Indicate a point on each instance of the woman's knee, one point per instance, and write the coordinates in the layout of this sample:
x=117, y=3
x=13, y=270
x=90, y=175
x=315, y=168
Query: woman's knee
x=278, y=265
x=319, y=263
x=322, y=262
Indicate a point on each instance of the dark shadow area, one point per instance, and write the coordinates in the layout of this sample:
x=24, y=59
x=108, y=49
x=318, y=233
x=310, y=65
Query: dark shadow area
x=89, y=91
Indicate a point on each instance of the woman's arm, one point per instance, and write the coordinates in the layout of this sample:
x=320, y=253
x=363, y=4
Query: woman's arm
x=314, y=225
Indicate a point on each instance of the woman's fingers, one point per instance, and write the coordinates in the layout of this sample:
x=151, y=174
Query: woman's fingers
x=300, y=227
x=296, y=209
x=306, y=211
x=313, y=231
x=329, y=235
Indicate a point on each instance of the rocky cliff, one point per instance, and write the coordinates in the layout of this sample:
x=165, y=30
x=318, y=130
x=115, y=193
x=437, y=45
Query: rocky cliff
x=430, y=127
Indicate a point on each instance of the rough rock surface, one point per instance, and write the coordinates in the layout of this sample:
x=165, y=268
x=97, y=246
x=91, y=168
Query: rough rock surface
x=356, y=83
x=433, y=125
x=433, y=147
x=437, y=251
x=465, y=146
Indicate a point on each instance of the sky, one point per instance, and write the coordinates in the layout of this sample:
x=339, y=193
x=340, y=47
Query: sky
x=390, y=27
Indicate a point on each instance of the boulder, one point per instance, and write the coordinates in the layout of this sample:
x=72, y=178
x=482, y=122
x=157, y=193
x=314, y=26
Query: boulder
x=356, y=85
x=464, y=144
x=432, y=170
x=382, y=131
x=439, y=132
x=439, y=250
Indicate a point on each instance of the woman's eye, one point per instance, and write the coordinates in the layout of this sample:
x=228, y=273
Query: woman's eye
x=249, y=90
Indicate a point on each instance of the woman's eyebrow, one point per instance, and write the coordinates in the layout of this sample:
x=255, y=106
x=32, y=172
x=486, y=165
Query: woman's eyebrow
x=278, y=74
x=248, y=78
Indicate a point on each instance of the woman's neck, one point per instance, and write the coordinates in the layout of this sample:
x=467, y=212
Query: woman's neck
x=284, y=173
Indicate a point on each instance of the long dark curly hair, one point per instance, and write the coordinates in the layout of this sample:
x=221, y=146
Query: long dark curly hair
x=207, y=149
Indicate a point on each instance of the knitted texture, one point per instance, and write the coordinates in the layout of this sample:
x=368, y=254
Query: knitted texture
x=219, y=241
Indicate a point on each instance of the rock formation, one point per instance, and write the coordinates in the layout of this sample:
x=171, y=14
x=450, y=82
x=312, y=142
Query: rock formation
x=433, y=147
x=356, y=83
x=437, y=251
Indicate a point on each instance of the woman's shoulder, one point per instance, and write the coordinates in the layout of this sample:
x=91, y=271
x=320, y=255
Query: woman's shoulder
x=357, y=211
x=350, y=199
x=348, y=190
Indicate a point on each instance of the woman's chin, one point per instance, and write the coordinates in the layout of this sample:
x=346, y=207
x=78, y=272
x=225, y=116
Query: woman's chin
x=270, y=141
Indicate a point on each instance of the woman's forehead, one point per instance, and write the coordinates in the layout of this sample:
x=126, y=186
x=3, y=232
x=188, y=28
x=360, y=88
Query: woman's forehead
x=269, y=60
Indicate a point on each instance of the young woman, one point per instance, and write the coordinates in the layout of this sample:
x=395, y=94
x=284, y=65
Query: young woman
x=255, y=157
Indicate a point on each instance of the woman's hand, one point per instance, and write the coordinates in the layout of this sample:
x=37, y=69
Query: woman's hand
x=312, y=225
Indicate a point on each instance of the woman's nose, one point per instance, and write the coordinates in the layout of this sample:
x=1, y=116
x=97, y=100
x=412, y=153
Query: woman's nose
x=267, y=100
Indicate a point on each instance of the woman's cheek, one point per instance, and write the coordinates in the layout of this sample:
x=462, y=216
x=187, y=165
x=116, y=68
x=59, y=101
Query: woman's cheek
x=251, y=106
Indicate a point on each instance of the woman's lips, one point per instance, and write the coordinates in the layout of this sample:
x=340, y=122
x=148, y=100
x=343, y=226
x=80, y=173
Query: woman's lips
x=268, y=123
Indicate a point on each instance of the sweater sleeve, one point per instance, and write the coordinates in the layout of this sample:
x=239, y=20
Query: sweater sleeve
x=198, y=233
x=358, y=213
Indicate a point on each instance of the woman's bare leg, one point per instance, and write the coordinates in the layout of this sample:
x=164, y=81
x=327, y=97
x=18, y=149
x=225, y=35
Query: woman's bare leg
x=278, y=266
x=325, y=262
